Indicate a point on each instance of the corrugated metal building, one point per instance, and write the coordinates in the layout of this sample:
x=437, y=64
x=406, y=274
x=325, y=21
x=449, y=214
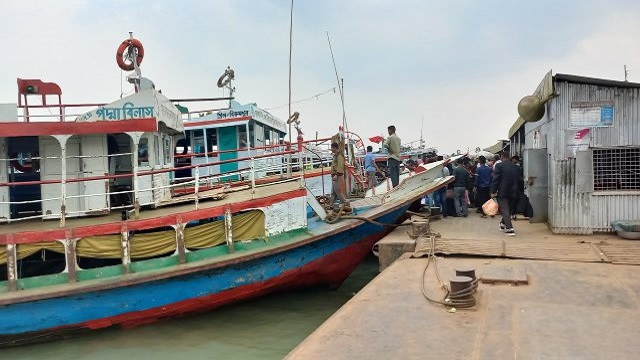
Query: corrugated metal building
x=582, y=157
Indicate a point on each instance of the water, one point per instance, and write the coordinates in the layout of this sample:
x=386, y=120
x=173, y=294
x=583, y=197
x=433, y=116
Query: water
x=265, y=328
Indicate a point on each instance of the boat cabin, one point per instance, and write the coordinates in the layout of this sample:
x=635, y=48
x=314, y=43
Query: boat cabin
x=239, y=132
x=82, y=159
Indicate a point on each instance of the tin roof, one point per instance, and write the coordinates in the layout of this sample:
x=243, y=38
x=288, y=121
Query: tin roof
x=594, y=81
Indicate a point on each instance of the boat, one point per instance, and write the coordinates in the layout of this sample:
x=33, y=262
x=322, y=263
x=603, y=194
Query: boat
x=95, y=232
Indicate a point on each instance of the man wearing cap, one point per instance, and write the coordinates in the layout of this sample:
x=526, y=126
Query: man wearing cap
x=392, y=143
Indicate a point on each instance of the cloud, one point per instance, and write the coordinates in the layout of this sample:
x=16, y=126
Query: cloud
x=461, y=65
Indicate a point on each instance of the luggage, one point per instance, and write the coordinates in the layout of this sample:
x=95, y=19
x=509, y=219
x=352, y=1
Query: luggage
x=490, y=207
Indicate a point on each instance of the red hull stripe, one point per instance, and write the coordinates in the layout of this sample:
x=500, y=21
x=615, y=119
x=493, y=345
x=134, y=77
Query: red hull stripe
x=330, y=270
x=14, y=129
x=145, y=224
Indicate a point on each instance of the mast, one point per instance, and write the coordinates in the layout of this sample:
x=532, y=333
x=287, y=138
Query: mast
x=341, y=88
x=290, y=50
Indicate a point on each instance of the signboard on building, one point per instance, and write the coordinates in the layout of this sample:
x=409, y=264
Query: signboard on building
x=584, y=114
x=577, y=140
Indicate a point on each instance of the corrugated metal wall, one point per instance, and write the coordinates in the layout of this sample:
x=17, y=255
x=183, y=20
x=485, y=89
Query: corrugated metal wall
x=607, y=208
x=583, y=213
x=569, y=211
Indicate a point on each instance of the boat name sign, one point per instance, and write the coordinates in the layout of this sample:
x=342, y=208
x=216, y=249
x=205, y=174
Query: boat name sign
x=127, y=111
x=270, y=120
x=232, y=114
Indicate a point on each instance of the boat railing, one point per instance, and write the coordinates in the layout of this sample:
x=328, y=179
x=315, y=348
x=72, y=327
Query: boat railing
x=195, y=182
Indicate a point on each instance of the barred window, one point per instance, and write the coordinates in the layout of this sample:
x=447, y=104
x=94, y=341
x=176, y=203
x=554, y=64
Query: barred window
x=616, y=169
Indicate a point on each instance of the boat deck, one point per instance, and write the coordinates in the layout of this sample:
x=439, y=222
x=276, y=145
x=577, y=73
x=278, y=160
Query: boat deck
x=183, y=204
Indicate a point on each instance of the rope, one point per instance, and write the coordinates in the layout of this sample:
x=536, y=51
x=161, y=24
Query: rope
x=335, y=215
x=459, y=299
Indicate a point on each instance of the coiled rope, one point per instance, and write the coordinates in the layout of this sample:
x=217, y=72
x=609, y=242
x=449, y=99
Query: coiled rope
x=459, y=299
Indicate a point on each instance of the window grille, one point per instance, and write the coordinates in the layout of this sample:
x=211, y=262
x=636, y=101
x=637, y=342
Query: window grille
x=616, y=169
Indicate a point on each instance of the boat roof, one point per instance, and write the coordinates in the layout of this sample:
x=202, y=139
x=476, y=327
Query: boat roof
x=237, y=115
x=145, y=111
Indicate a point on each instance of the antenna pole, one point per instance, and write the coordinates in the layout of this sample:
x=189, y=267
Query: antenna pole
x=340, y=84
x=290, y=46
x=421, y=127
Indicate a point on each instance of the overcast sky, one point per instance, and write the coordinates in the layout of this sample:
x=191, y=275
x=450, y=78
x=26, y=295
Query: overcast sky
x=461, y=65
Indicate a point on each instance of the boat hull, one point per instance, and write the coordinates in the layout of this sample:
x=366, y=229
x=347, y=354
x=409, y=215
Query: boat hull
x=326, y=261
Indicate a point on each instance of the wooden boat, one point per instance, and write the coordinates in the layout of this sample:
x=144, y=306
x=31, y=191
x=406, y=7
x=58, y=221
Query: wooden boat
x=95, y=235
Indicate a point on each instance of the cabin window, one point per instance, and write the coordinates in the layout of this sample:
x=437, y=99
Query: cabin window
x=252, y=134
x=267, y=136
x=143, y=152
x=198, y=141
x=156, y=146
x=212, y=140
x=167, y=150
x=616, y=169
x=242, y=137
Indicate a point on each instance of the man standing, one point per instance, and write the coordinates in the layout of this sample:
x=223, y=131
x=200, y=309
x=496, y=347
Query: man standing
x=505, y=186
x=392, y=143
x=337, y=176
x=459, y=188
x=440, y=194
x=482, y=183
x=371, y=167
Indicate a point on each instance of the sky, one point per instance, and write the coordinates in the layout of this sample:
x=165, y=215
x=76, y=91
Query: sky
x=452, y=71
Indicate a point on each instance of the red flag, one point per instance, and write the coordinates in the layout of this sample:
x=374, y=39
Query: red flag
x=376, y=139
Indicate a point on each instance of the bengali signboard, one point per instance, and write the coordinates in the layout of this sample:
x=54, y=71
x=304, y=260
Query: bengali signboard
x=588, y=114
x=577, y=140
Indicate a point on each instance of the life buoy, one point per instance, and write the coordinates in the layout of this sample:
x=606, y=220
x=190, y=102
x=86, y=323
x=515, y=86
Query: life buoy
x=226, y=77
x=124, y=47
x=293, y=118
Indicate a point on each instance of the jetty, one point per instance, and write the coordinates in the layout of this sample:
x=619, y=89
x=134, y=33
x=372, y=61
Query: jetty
x=539, y=296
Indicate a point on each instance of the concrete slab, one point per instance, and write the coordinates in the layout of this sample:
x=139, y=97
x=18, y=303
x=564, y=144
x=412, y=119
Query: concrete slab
x=392, y=246
x=504, y=274
x=569, y=310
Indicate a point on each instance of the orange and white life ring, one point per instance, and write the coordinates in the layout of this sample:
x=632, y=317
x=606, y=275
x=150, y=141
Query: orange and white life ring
x=125, y=47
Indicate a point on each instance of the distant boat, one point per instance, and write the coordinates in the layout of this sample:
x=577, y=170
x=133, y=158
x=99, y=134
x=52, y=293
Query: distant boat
x=103, y=225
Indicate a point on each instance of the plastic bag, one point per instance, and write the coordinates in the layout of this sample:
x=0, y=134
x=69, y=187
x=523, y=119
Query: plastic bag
x=490, y=207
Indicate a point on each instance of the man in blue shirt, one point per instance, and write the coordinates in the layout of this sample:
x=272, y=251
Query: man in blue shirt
x=370, y=167
x=482, y=183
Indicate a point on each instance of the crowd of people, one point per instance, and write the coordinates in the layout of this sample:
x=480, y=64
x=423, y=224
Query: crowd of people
x=478, y=180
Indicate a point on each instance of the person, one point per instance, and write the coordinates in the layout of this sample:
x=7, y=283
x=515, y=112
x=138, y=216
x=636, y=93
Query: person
x=482, y=184
x=496, y=160
x=371, y=167
x=337, y=176
x=460, y=188
x=439, y=196
x=392, y=143
x=504, y=186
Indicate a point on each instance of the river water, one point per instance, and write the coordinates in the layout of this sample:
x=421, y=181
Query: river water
x=265, y=328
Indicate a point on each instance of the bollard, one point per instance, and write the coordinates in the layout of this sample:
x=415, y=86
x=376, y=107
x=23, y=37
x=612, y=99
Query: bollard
x=460, y=283
x=469, y=272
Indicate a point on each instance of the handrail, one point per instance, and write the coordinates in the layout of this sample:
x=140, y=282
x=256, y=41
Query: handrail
x=144, y=173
